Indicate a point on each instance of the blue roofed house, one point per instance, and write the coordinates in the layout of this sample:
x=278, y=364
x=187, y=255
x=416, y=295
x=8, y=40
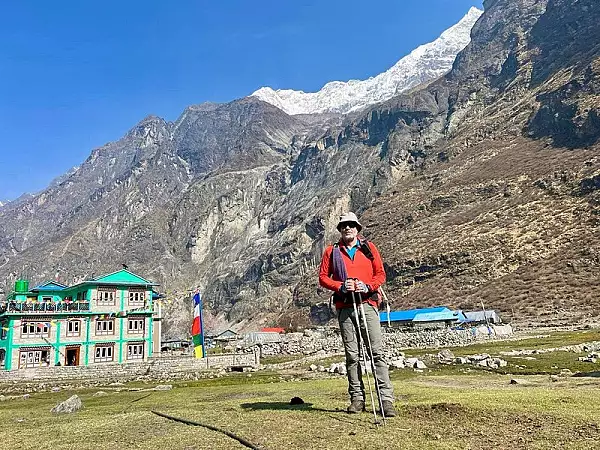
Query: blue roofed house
x=435, y=317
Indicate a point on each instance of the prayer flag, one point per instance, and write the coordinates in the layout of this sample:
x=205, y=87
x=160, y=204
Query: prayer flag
x=197, y=327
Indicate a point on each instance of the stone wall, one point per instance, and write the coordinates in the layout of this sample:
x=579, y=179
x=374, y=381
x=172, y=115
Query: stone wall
x=330, y=341
x=154, y=368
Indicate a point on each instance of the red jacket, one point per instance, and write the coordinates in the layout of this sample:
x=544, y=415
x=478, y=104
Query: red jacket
x=369, y=272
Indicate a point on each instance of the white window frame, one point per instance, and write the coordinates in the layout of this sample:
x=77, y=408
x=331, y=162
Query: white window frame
x=136, y=326
x=135, y=351
x=104, y=353
x=106, y=297
x=73, y=328
x=105, y=327
x=136, y=297
x=32, y=330
x=32, y=358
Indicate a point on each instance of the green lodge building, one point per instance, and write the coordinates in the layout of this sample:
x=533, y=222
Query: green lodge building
x=111, y=318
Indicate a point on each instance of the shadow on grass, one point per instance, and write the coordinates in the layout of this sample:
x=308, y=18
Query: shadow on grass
x=594, y=374
x=261, y=406
x=338, y=414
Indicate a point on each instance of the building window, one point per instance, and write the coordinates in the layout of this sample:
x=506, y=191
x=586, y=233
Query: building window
x=136, y=297
x=46, y=299
x=103, y=353
x=104, y=327
x=35, y=329
x=106, y=297
x=73, y=327
x=135, y=326
x=34, y=358
x=135, y=351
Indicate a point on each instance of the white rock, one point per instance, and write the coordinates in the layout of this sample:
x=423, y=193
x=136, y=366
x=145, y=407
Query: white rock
x=71, y=405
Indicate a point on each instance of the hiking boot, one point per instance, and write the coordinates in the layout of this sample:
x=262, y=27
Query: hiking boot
x=388, y=409
x=356, y=406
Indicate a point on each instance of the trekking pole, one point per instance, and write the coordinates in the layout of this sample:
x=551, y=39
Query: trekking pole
x=373, y=369
x=364, y=354
x=387, y=306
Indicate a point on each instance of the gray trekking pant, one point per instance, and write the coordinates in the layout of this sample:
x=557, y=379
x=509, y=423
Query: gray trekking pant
x=356, y=388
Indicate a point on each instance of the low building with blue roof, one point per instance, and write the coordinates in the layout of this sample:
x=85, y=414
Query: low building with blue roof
x=435, y=317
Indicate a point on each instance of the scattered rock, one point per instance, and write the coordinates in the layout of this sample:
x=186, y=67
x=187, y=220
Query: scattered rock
x=99, y=394
x=163, y=387
x=296, y=401
x=71, y=405
x=420, y=365
x=445, y=356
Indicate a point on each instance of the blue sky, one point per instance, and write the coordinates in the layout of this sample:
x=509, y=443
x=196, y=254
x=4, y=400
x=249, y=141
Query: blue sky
x=76, y=74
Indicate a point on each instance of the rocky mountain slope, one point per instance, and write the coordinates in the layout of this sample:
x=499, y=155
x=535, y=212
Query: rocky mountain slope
x=426, y=63
x=481, y=186
x=496, y=171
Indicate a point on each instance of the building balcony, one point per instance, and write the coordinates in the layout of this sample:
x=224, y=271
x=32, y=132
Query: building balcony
x=44, y=307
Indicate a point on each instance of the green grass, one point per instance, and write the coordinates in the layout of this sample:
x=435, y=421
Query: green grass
x=441, y=408
x=542, y=363
x=435, y=412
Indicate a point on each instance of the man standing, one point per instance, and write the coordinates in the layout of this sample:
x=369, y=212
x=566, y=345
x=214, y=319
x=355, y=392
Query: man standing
x=354, y=270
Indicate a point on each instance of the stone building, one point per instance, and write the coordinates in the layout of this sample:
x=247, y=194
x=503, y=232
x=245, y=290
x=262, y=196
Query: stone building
x=111, y=318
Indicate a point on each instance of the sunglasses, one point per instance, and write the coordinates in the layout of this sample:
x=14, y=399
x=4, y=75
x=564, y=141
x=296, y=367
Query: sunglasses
x=347, y=225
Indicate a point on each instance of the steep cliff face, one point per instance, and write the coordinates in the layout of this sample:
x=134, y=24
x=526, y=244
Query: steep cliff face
x=504, y=205
x=482, y=185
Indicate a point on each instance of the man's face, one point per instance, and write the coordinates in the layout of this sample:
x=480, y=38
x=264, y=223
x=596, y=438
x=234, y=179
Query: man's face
x=349, y=231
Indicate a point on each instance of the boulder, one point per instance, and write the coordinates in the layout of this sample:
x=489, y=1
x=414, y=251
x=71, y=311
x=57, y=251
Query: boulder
x=445, y=356
x=71, y=405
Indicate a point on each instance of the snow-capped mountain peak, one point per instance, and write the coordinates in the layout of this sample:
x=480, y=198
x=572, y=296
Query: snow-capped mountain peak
x=425, y=63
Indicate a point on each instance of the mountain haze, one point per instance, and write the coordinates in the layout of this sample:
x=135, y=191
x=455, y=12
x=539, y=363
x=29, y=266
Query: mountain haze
x=480, y=185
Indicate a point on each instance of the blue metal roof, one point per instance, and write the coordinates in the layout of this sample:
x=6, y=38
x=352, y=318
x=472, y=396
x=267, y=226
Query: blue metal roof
x=438, y=316
x=50, y=286
x=409, y=315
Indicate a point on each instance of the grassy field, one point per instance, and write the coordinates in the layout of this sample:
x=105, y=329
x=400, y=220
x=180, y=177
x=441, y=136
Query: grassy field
x=438, y=409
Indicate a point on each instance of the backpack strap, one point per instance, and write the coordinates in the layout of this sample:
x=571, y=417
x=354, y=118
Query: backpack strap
x=366, y=249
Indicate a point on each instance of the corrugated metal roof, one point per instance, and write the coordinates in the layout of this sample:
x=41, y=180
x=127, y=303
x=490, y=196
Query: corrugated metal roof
x=409, y=315
x=50, y=286
x=439, y=316
x=478, y=316
x=262, y=337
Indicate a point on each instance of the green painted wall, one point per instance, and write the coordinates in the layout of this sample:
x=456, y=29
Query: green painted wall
x=9, y=346
x=88, y=342
x=121, y=327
